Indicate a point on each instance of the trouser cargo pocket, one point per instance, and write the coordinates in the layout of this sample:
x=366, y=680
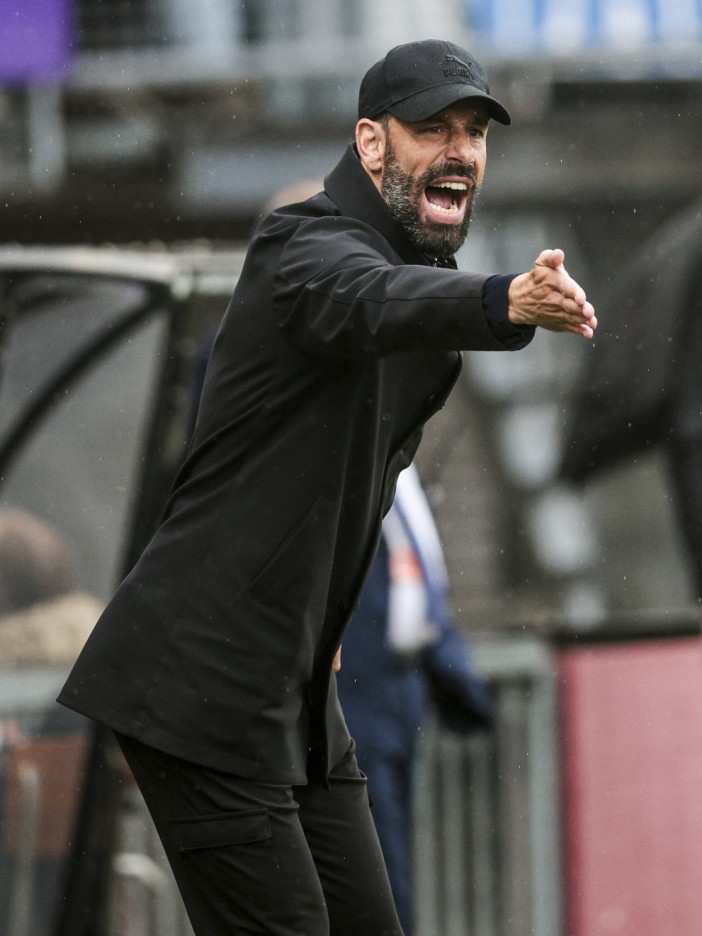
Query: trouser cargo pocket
x=217, y=831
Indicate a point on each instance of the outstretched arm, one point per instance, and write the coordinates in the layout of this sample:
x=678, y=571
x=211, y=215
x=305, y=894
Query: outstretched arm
x=548, y=297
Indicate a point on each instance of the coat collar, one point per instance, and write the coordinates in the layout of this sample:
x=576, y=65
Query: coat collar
x=353, y=192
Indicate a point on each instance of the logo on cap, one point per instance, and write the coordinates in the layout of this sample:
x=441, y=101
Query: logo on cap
x=459, y=70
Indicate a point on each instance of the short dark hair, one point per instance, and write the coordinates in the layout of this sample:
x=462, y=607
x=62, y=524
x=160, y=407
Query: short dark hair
x=35, y=562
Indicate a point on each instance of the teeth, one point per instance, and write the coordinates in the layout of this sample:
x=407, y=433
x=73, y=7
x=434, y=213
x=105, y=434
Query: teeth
x=454, y=188
x=447, y=211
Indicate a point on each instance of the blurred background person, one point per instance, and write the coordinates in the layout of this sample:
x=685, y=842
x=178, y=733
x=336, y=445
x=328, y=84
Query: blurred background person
x=402, y=657
x=44, y=618
x=646, y=394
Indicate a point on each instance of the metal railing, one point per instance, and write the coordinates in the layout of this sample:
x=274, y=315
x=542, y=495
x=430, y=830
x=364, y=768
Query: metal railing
x=487, y=835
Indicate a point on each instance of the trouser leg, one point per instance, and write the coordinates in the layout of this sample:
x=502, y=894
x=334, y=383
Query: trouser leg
x=237, y=848
x=344, y=843
x=253, y=859
x=390, y=787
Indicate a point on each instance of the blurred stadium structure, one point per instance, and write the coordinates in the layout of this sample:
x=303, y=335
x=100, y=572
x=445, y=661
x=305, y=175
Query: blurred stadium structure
x=153, y=118
x=126, y=121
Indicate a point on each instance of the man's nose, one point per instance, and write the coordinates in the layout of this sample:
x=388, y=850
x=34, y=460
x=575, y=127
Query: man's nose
x=460, y=148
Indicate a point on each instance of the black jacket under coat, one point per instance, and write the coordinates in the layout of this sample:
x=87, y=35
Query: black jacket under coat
x=340, y=341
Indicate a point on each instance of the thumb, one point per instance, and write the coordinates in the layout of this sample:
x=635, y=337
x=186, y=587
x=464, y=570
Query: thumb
x=551, y=258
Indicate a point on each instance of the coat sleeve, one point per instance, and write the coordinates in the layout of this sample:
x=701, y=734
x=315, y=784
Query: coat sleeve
x=461, y=695
x=341, y=291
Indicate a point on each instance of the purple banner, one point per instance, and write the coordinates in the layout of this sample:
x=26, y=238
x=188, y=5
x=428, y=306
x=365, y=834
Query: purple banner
x=34, y=39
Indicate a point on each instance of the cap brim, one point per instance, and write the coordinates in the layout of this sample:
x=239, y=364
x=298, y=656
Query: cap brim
x=425, y=104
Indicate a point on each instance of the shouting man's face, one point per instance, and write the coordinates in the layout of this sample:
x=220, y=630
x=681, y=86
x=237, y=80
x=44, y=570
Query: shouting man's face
x=431, y=173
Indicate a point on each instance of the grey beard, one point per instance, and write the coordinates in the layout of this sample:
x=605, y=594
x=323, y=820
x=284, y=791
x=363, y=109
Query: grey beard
x=435, y=240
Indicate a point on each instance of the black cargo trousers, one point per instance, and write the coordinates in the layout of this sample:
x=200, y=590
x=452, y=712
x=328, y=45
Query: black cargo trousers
x=254, y=859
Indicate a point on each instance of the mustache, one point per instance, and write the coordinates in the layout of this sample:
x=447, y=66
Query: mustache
x=464, y=170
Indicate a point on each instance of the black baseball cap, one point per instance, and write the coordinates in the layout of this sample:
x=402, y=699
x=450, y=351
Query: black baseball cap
x=416, y=80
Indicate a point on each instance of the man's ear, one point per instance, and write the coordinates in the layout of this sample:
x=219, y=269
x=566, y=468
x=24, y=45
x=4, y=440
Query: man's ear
x=370, y=144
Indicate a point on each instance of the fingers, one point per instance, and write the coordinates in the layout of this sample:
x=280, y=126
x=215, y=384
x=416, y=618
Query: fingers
x=558, y=277
x=578, y=294
x=574, y=317
x=584, y=325
x=551, y=258
x=575, y=304
x=586, y=328
x=573, y=299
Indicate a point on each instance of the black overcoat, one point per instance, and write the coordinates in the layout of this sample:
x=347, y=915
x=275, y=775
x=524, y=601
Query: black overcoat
x=340, y=341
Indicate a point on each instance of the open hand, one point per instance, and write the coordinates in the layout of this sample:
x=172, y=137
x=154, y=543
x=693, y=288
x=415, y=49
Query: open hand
x=548, y=297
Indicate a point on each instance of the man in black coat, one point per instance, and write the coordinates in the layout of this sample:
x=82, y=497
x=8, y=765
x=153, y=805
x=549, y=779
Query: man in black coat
x=214, y=662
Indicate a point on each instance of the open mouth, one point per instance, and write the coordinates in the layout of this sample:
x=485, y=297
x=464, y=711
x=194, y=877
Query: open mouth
x=446, y=201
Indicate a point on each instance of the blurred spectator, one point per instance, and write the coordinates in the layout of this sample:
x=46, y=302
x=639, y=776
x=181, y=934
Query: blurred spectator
x=402, y=654
x=34, y=562
x=642, y=386
x=44, y=619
